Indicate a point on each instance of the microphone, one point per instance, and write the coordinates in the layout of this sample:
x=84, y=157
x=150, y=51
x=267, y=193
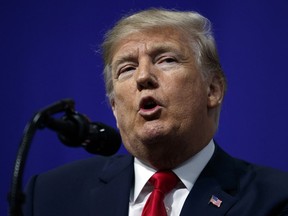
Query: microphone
x=75, y=130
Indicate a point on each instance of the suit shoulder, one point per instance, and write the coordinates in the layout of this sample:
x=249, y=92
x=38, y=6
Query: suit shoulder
x=86, y=167
x=270, y=176
x=262, y=175
x=264, y=180
x=66, y=190
x=259, y=179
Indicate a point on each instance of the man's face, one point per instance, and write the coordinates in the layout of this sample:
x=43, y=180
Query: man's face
x=160, y=99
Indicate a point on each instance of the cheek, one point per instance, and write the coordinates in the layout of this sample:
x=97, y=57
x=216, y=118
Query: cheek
x=119, y=110
x=123, y=106
x=187, y=96
x=120, y=118
x=124, y=90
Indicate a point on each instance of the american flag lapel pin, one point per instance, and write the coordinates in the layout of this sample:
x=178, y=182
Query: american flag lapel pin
x=215, y=201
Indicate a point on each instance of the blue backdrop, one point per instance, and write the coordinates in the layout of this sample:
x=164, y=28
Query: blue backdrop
x=49, y=52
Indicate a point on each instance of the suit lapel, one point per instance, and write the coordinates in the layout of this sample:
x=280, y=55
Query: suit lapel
x=112, y=192
x=219, y=178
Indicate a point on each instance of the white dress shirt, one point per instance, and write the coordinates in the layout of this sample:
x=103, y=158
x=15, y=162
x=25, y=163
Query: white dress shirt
x=188, y=173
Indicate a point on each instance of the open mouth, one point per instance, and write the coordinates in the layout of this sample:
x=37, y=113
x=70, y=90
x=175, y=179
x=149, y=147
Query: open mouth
x=150, y=108
x=148, y=104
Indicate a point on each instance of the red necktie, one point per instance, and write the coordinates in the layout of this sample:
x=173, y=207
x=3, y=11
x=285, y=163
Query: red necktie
x=163, y=182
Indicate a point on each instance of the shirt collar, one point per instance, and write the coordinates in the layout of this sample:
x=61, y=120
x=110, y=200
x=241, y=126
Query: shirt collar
x=195, y=165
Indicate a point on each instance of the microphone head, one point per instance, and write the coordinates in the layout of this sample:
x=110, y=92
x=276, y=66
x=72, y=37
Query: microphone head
x=102, y=139
x=72, y=129
x=76, y=130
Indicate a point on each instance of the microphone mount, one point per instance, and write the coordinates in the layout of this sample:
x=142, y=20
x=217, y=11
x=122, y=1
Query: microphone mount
x=73, y=130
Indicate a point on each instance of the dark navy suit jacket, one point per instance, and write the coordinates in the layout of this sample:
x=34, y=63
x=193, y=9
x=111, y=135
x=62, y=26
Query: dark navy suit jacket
x=101, y=186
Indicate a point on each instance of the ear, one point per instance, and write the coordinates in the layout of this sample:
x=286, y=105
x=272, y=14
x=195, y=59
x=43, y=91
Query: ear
x=114, y=109
x=216, y=90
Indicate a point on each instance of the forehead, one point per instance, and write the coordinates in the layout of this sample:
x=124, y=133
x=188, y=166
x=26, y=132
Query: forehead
x=150, y=40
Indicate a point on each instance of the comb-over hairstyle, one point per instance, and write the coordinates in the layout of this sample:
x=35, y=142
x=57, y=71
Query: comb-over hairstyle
x=196, y=26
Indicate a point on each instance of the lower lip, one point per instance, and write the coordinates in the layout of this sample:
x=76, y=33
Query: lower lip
x=150, y=112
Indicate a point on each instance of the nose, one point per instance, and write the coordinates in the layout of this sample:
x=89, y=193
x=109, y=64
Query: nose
x=146, y=77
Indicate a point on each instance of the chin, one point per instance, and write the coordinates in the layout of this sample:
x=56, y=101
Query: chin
x=154, y=129
x=152, y=137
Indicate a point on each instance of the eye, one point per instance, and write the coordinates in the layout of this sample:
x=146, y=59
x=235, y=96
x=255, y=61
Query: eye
x=166, y=59
x=166, y=62
x=125, y=70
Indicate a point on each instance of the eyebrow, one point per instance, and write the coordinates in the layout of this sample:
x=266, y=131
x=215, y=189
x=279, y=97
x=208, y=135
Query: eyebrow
x=125, y=58
x=153, y=51
x=163, y=48
x=158, y=49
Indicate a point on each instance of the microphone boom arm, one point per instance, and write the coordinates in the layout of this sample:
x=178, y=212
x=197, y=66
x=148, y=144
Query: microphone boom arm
x=16, y=196
x=73, y=130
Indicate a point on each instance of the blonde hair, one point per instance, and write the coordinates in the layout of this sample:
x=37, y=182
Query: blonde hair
x=197, y=27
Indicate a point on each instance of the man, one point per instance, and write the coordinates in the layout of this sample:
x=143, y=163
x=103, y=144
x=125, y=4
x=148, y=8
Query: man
x=165, y=85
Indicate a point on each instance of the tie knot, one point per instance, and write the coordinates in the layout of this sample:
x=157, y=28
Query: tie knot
x=164, y=181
